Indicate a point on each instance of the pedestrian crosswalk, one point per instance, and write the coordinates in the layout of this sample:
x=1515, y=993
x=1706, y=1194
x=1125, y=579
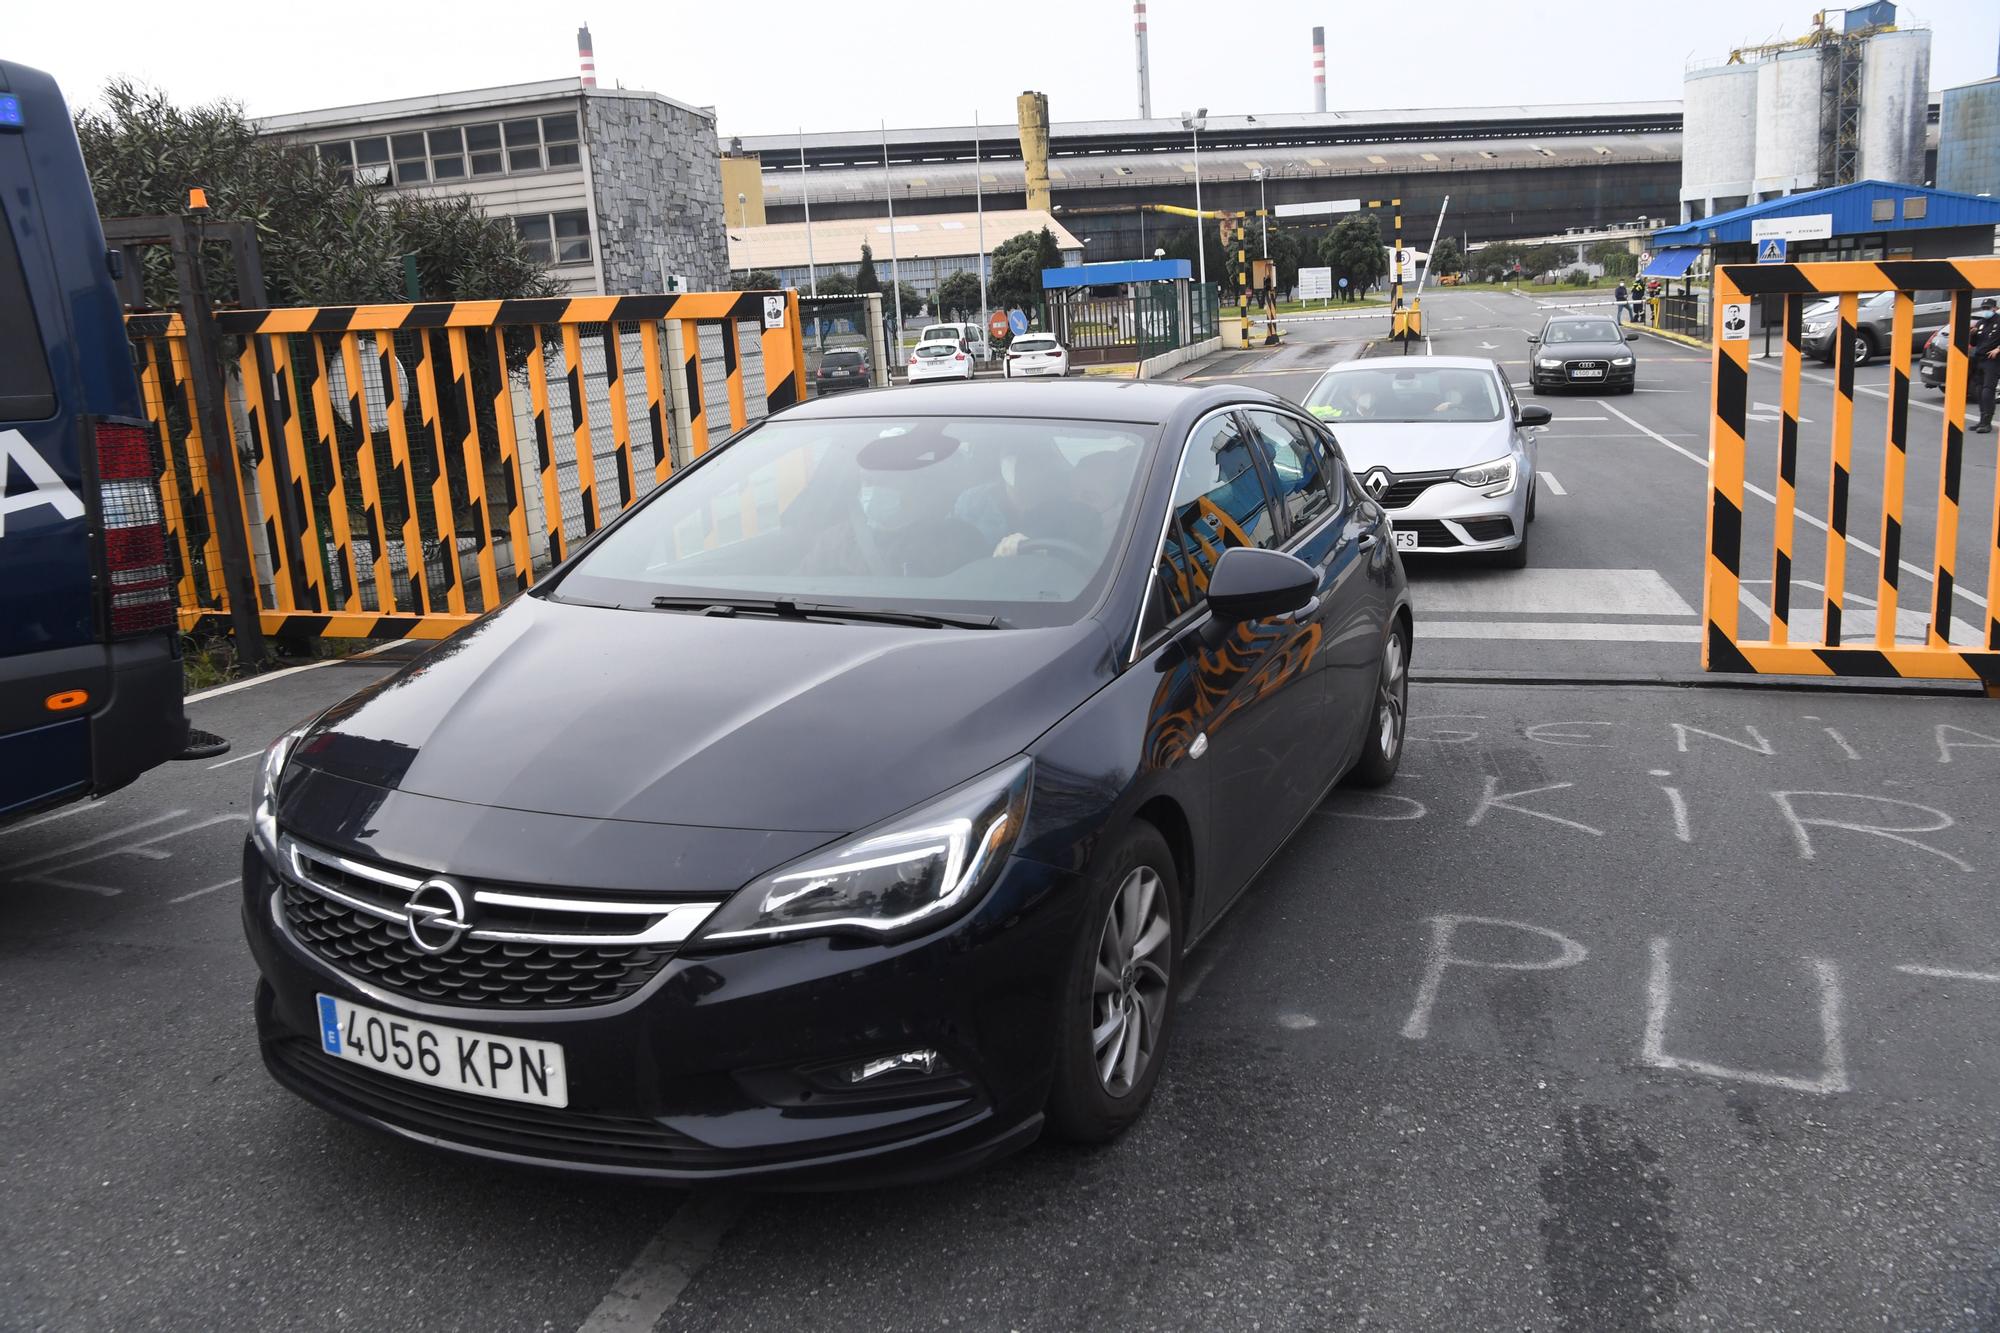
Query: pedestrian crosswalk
x=1553, y=605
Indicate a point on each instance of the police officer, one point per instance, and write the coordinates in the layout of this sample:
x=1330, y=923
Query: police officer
x=1986, y=362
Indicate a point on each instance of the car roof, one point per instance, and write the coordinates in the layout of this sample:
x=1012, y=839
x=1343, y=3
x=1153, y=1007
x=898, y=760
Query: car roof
x=1147, y=402
x=1427, y=362
x=1577, y=319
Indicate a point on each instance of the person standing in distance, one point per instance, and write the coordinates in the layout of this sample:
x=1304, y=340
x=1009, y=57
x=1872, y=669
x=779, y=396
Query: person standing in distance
x=1986, y=364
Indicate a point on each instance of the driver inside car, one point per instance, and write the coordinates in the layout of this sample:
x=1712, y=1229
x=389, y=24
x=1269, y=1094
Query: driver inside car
x=1035, y=500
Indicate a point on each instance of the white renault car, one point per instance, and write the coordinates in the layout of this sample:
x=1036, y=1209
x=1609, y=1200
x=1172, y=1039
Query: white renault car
x=939, y=359
x=1441, y=443
x=1036, y=354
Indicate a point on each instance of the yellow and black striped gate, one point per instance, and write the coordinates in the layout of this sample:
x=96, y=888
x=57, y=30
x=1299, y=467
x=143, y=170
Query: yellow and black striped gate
x=407, y=468
x=1944, y=630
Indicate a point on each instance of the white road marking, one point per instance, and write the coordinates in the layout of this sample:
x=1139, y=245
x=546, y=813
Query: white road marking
x=270, y=676
x=144, y=848
x=1833, y=1051
x=1949, y=973
x=654, y=1280
x=88, y=843
x=233, y=879
x=1443, y=928
x=1549, y=480
x=1565, y=631
x=81, y=808
x=1566, y=417
x=1771, y=499
x=1859, y=388
x=1577, y=592
x=237, y=760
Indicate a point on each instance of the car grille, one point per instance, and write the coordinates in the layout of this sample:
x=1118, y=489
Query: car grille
x=1488, y=529
x=1430, y=532
x=1404, y=490
x=1603, y=368
x=520, y=949
x=557, y=1133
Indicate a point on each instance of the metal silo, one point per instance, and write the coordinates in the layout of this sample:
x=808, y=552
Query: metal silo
x=1790, y=101
x=1719, y=134
x=1895, y=100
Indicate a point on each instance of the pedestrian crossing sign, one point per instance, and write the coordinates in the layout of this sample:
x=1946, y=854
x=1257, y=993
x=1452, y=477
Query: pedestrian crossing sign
x=1771, y=250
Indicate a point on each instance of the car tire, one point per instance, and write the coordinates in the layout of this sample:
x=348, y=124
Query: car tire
x=1382, y=752
x=1516, y=558
x=1133, y=886
x=1864, y=349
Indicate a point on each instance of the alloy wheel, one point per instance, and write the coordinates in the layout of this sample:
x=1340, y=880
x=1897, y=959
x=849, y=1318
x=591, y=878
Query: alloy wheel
x=1392, y=697
x=1129, y=984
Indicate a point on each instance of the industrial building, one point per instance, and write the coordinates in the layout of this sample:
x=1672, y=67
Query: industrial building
x=1832, y=107
x=617, y=191
x=1969, y=139
x=928, y=248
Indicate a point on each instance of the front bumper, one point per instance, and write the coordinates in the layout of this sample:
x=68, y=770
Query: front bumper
x=717, y=1068
x=1564, y=378
x=1450, y=519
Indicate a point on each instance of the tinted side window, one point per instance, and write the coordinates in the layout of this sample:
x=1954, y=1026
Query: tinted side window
x=1218, y=503
x=1296, y=468
x=25, y=391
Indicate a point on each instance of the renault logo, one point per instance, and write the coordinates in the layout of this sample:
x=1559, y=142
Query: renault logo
x=435, y=915
x=1378, y=481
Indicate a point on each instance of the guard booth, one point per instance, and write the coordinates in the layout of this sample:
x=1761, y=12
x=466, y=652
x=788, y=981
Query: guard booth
x=1147, y=312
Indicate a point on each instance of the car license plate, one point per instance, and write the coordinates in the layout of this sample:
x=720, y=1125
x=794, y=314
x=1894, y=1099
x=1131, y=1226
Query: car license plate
x=1405, y=541
x=444, y=1057
x=1586, y=374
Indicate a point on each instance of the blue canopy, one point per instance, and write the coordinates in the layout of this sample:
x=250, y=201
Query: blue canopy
x=1673, y=262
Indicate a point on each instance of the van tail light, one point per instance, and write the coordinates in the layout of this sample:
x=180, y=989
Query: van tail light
x=913, y=358
x=135, y=531
x=958, y=356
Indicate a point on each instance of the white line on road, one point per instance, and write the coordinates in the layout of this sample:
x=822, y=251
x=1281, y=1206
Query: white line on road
x=1949, y=973
x=1549, y=480
x=1559, y=420
x=1859, y=388
x=270, y=676
x=1771, y=499
x=81, y=808
x=237, y=760
x=1567, y=631
x=88, y=843
x=210, y=889
x=144, y=848
x=651, y=1283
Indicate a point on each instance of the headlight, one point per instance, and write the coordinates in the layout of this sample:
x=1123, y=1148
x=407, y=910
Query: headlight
x=1550, y=363
x=1817, y=327
x=1494, y=478
x=1621, y=360
x=264, y=790
x=916, y=871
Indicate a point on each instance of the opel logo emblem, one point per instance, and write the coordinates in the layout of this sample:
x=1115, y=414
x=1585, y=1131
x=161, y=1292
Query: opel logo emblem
x=1378, y=481
x=435, y=915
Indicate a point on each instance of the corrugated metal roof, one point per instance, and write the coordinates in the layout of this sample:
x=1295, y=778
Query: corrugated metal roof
x=921, y=236
x=1853, y=210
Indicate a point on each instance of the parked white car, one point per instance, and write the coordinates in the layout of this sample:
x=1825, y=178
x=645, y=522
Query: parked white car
x=939, y=359
x=1036, y=354
x=972, y=337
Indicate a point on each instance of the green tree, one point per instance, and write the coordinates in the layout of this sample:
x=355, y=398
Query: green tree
x=1353, y=250
x=1495, y=260
x=1016, y=271
x=1616, y=257
x=836, y=284
x=1539, y=259
x=864, y=277
x=1048, y=254
x=1447, y=258
x=322, y=240
x=756, y=280
x=913, y=300
x=959, y=293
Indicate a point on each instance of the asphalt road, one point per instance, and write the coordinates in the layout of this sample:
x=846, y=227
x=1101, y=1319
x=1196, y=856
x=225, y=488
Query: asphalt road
x=1626, y=1007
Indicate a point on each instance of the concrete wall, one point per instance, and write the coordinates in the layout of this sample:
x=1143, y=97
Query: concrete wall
x=1789, y=102
x=656, y=186
x=1969, y=139
x=1895, y=102
x=1719, y=134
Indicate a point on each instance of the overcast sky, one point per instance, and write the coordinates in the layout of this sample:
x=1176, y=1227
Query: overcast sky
x=769, y=66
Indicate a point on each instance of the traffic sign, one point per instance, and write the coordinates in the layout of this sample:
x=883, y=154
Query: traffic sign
x=1017, y=323
x=1771, y=250
x=997, y=324
x=1343, y=282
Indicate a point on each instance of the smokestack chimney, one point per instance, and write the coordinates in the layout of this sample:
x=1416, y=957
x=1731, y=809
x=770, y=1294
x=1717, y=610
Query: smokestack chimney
x=1032, y=111
x=584, y=58
x=1319, y=69
x=1145, y=76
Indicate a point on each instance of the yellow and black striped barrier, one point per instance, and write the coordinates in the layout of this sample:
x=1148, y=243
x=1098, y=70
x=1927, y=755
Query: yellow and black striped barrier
x=1931, y=654
x=410, y=467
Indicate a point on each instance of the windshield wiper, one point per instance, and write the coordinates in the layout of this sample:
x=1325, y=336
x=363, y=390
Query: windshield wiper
x=786, y=608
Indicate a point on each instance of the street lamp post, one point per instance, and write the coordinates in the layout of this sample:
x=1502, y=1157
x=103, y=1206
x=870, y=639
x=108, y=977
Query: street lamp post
x=805, y=197
x=1194, y=124
x=742, y=209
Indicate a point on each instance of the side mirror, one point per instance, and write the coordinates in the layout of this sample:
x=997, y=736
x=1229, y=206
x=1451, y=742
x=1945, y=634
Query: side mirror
x=1534, y=337
x=1534, y=414
x=1250, y=583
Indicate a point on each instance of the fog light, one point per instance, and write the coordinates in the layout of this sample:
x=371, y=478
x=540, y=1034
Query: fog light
x=906, y=1062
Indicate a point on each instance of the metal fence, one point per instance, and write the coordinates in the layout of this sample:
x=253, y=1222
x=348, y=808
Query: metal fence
x=1685, y=315
x=407, y=468
x=1203, y=305
x=1914, y=517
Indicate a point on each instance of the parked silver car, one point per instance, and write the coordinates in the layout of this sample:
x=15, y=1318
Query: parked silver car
x=1443, y=445
x=1874, y=324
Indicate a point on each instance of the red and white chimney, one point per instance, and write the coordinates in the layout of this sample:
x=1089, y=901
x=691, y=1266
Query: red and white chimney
x=1145, y=75
x=585, y=61
x=1319, y=69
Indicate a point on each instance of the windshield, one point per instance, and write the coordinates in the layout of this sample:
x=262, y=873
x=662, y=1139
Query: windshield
x=1035, y=345
x=948, y=332
x=937, y=349
x=1581, y=331
x=841, y=359
x=1013, y=518
x=1402, y=393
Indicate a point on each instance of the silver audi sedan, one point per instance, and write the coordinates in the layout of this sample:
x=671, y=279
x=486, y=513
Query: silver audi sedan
x=1441, y=443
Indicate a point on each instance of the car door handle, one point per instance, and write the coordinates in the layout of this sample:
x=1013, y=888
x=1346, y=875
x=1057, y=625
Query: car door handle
x=1368, y=539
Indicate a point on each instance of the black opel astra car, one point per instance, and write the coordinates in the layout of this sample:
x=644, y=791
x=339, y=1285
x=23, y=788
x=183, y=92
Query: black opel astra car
x=840, y=813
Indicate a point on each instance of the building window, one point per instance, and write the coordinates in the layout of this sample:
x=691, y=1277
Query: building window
x=412, y=167
x=555, y=238
x=1884, y=211
x=339, y=156
x=482, y=145
x=371, y=161
x=1915, y=207
x=447, y=155
x=524, y=145
x=559, y=138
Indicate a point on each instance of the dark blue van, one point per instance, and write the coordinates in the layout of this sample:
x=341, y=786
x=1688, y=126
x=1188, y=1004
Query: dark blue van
x=90, y=671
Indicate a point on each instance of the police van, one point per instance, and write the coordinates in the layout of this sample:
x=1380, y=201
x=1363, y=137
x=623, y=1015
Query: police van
x=90, y=671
